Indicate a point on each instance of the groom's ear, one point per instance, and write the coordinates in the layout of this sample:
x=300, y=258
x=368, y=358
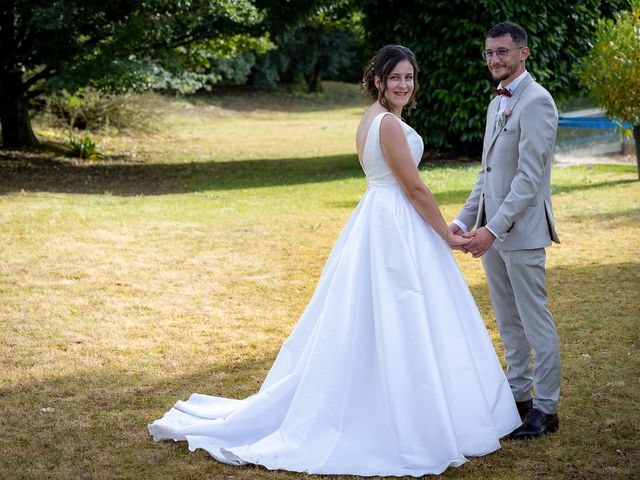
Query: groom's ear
x=524, y=54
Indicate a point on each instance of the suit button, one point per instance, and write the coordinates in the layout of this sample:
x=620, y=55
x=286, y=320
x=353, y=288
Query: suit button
x=488, y=169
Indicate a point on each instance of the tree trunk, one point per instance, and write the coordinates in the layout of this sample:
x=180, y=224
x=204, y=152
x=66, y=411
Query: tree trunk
x=14, y=113
x=314, y=80
x=312, y=77
x=636, y=137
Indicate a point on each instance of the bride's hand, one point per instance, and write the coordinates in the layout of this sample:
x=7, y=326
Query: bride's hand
x=456, y=241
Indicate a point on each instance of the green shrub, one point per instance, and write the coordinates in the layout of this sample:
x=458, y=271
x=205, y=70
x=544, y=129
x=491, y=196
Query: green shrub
x=85, y=148
x=611, y=70
x=89, y=109
x=448, y=37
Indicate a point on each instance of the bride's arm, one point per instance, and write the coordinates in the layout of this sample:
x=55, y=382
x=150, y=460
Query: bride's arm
x=398, y=155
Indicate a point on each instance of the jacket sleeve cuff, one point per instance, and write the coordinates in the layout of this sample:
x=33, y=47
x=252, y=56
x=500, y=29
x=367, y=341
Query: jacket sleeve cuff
x=493, y=233
x=464, y=228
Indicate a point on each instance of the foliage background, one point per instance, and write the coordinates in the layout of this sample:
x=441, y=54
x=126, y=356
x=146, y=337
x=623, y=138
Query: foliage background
x=611, y=70
x=448, y=38
x=185, y=46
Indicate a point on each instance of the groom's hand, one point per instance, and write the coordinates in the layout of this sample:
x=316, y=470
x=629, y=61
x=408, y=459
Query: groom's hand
x=482, y=241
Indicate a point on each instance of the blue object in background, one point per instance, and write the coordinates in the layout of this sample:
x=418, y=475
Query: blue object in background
x=591, y=122
x=589, y=131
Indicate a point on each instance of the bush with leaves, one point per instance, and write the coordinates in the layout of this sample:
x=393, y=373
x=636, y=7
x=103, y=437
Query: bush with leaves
x=448, y=38
x=327, y=45
x=216, y=63
x=123, y=45
x=85, y=148
x=90, y=109
x=611, y=70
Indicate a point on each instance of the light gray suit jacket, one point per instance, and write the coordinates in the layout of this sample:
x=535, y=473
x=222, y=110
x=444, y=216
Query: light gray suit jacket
x=512, y=195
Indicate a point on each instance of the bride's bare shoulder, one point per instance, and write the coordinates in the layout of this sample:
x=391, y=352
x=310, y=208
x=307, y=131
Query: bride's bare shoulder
x=367, y=118
x=365, y=124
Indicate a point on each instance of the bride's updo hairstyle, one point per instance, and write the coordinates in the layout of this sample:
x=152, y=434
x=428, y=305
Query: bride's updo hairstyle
x=381, y=65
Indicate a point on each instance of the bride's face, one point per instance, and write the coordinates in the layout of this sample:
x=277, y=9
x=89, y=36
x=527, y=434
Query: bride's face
x=399, y=86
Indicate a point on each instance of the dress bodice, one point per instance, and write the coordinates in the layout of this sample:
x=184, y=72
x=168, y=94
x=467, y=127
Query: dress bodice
x=375, y=165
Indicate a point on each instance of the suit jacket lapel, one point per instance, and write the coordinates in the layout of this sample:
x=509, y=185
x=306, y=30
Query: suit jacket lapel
x=526, y=81
x=513, y=100
x=494, y=117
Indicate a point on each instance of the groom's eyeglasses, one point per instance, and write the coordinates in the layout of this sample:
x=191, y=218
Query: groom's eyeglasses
x=500, y=52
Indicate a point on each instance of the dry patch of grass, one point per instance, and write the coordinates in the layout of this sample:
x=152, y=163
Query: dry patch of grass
x=129, y=284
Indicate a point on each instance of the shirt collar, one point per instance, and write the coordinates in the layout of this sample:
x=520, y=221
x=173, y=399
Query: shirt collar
x=514, y=84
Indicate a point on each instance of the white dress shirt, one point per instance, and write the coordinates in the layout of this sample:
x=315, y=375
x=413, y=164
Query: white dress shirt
x=504, y=101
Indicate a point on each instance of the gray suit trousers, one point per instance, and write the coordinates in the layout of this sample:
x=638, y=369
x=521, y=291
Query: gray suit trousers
x=516, y=280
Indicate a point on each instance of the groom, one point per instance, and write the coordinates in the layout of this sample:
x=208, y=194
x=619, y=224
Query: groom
x=510, y=207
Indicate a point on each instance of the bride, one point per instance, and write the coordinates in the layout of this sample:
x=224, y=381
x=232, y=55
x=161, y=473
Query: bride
x=389, y=370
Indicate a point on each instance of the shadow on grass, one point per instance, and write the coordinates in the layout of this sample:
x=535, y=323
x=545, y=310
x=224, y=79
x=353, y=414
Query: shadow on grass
x=94, y=424
x=591, y=299
x=42, y=174
x=589, y=186
x=615, y=218
x=98, y=421
x=39, y=173
x=596, y=311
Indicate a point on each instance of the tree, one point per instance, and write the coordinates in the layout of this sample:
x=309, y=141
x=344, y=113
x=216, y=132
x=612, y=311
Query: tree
x=611, y=70
x=110, y=45
x=448, y=37
x=326, y=44
x=125, y=44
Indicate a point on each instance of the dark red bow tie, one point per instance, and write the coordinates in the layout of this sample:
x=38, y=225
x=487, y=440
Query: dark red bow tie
x=502, y=91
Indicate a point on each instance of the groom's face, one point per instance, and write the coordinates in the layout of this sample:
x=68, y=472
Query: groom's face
x=506, y=59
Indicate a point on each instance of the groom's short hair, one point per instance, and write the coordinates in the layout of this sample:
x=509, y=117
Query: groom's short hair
x=518, y=34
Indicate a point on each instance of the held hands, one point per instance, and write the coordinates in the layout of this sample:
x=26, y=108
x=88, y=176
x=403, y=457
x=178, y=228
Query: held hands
x=480, y=240
x=456, y=242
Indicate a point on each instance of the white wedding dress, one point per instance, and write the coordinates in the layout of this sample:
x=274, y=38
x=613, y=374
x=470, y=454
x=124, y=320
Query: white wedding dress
x=389, y=371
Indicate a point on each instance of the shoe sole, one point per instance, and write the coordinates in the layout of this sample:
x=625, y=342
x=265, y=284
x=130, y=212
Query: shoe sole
x=537, y=435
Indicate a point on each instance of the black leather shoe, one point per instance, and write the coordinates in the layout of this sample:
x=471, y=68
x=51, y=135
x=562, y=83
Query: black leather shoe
x=535, y=424
x=524, y=407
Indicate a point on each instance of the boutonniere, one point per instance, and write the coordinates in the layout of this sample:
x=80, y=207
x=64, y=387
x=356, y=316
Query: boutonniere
x=502, y=118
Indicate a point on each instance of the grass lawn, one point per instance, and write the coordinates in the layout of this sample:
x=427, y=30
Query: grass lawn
x=181, y=263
